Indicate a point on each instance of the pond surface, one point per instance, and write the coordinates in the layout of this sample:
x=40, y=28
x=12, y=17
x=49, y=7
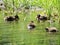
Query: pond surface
x=16, y=33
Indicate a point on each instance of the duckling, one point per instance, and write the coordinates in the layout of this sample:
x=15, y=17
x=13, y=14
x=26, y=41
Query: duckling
x=31, y=25
x=41, y=18
x=51, y=29
x=11, y=18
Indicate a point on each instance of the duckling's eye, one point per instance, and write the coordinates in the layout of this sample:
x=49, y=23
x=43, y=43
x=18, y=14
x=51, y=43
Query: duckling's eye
x=1, y=4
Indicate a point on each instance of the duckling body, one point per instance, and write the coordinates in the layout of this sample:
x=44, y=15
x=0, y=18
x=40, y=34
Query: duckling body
x=11, y=18
x=51, y=29
x=41, y=18
x=31, y=25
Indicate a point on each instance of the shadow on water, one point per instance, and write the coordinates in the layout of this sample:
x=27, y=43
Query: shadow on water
x=5, y=43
